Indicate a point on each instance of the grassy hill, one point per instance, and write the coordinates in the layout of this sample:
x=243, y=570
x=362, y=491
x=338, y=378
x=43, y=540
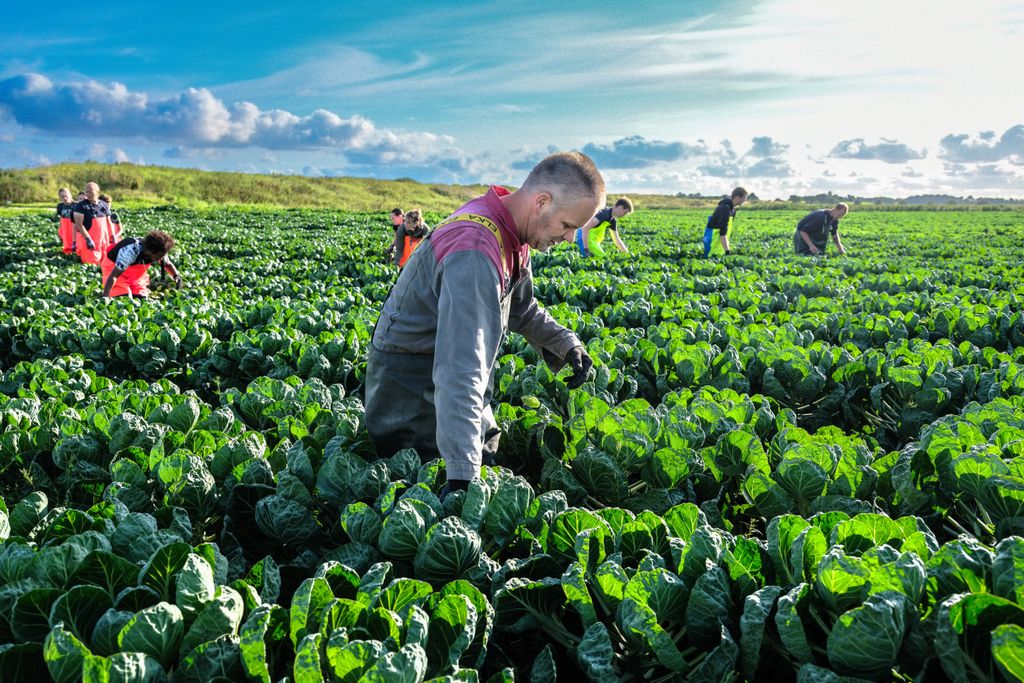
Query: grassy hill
x=140, y=186
x=133, y=185
x=148, y=185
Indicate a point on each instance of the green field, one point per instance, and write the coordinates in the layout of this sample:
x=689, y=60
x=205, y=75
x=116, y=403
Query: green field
x=784, y=468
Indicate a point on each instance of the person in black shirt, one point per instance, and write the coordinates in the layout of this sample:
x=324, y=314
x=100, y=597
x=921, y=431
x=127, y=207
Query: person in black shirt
x=125, y=264
x=64, y=210
x=91, y=236
x=811, y=236
x=720, y=222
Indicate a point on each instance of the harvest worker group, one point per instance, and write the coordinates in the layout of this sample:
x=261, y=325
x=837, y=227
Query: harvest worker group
x=430, y=366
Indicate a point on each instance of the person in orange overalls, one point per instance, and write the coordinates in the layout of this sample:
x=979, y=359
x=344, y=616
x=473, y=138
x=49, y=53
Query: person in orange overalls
x=92, y=234
x=67, y=225
x=407, y=237
x=125, y=264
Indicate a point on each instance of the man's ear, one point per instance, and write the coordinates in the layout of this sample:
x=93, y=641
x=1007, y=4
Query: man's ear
x=542, y=199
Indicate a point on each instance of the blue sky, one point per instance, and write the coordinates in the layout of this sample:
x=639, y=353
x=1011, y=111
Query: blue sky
x=783, y=96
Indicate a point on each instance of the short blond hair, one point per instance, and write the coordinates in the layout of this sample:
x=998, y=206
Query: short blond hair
x=842, y=205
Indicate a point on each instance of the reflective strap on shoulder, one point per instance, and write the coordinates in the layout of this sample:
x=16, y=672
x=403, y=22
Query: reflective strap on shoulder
x=487, y=223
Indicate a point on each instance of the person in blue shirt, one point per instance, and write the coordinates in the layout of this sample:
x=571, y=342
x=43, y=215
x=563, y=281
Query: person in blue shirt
x=811, y=236
x=716, y=234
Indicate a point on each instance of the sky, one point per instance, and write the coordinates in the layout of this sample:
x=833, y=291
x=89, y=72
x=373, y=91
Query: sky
x=874, y=97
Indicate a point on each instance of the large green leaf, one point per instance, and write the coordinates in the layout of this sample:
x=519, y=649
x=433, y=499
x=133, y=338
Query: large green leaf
x=865, y=531
x=600, y=475
x=561, y=540
x=108, y=571
x=312, y=596
x=79, y=609
x=1008, y=650
x=160, y=571
x=639, y=622
x=965, y=624
x=449, y=551
x=477, y=650
x=757, y=609
x=595, y=655
x=960, y=566
x=400, y=594
x=65, y=655
x=218, y=659
x=866, y=641
x=123, y=667
x=710, y=607
x=219, y=617
x=156, y=631
x=194, y=586
x=662, y=591
x=405, y=528
x=1008, y=570
x=574, y=584
x=453, y=624
x=308, y=667
x=789, y=620
x=30, y=616
x=349, y=661
x=104, y=639
x=407, y=665
x=262, y=639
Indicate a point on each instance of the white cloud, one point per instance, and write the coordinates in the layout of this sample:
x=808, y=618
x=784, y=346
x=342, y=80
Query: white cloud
x=886, y=150
x=637, y=152
x=196, y=118
x=985, y=146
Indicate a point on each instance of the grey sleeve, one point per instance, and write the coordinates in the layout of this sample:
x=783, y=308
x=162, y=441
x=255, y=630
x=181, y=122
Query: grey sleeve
x=469, y=332
x=551, y=340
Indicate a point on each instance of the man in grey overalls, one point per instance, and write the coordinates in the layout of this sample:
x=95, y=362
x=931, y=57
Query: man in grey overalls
x=429, y=373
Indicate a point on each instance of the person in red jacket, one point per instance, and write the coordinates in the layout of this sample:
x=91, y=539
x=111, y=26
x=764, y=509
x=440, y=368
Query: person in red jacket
x=124, y=266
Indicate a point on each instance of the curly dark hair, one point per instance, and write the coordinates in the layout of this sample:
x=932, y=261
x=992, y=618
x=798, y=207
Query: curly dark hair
x=158, y=243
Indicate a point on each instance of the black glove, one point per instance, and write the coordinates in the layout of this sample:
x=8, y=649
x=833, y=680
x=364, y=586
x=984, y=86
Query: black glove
x=727, y=252
x=453, y=485
x=178, y=282
x=92, y=245
x=581, y=365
